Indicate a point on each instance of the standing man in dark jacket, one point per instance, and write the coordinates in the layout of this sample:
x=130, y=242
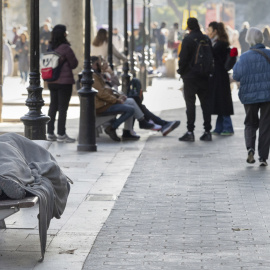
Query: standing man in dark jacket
x=242, y=38
x=194, y=84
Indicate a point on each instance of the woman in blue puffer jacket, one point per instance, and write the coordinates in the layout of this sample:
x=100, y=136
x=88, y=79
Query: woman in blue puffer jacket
x=253, y=72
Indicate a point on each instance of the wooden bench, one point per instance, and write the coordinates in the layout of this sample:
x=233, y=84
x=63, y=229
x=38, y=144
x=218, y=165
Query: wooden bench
x=103, y=118
x=10, y=207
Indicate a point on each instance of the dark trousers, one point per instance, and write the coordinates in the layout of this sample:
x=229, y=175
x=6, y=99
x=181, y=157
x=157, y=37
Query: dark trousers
x=60, y=97
x=253, y=123
x=193, y=87
x=149, y=115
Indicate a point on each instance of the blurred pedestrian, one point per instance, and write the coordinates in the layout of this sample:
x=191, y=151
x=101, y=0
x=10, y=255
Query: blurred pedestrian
x=22, y=48
x=253, y=72
x=160, y=44
x=61, y=89
x=220, y=82
x=45, y=37
x=16, y=36
x=242, y=37
x=100, y=46
x=266, y=36
x=7, y=57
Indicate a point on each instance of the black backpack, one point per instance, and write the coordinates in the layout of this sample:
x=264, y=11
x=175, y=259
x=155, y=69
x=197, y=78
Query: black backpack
x=134, y=88
x=203, y=64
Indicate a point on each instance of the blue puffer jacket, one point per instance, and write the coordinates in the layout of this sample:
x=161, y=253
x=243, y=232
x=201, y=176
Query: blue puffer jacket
x=253, y=72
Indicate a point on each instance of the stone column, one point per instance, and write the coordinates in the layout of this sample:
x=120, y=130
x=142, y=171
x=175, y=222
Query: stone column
x=72, y=17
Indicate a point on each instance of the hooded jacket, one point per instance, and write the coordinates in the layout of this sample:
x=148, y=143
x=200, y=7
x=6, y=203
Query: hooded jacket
x=253, y=72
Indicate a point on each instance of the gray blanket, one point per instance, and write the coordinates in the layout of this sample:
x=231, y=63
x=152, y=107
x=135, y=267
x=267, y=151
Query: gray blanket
x=28, y=167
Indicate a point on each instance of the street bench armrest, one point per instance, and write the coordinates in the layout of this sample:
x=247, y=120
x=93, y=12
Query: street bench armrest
x=23, y=203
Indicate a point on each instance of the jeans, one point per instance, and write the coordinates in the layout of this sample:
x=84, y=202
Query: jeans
x=129, y=109
x=253, y=123
x=199, y=87
x=60, y=97
x=24, y=75
x=224, y=123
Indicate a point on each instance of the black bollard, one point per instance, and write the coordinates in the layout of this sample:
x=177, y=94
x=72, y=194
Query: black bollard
x=34, y=121
x=87, y=129
x=125, y=76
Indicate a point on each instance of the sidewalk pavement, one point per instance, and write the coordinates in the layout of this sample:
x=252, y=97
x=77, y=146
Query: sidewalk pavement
x=152, y=204
x=189, y=206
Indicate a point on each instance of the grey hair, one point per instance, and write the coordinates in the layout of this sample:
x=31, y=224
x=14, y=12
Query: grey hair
x=254, y=36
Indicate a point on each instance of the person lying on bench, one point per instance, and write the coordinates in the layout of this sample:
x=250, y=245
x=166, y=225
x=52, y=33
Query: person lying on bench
x=109, y=101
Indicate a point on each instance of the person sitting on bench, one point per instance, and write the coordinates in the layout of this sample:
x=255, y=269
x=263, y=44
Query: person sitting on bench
x=109, y=101
x=135, y=91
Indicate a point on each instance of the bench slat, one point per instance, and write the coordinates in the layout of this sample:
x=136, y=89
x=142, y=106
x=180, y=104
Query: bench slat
x=24, y=203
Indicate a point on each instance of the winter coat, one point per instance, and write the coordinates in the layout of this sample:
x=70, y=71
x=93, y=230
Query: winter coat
x=220, y=82
x=187, y=54
x=253, y=72
x=70, y=62
x=105, y=97
x=23, y=53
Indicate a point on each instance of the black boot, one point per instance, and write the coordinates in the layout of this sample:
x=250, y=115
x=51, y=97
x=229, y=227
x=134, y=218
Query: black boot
x=127, y=136
x=112, y=133
x=143, y=124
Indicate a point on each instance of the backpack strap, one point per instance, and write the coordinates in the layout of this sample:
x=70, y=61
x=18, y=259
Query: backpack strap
x=263, y=54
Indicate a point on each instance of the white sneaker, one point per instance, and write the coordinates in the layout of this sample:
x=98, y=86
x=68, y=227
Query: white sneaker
x=156, y=127
x=65, y=139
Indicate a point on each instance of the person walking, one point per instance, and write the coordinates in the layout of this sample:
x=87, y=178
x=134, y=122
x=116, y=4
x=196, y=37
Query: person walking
x=253, y=72
x=222, y=104
x=242, y=38
x=160, y=44
x=22, y=47
x=100, y=46
x=61, y=89
x=194, y=83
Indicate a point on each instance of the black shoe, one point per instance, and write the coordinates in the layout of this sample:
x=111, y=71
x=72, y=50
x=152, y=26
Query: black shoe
x=207, y=136
x=187, y=137
x=169, y=127
x=127, y=136
x=263, y=162
x=143, y=124
x=112, y=133
x=250, y=158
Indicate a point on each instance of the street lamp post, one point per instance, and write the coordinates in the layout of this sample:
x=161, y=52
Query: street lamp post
x=126, y=76
x=34, y=121
x=132, y=40
x=87, y=129
x=110, y=50
x=149, y=29
x=143, y=65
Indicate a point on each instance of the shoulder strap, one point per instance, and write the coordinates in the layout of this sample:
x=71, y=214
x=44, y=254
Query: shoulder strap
x=263, y=54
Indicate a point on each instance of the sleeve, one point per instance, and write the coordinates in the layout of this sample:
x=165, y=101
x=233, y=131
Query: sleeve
x=237, y=70
x=119, y=55
x=184, y=57
x=71, y=58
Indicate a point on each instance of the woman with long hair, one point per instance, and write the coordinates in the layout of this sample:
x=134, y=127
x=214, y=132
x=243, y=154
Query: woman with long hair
x=100, y=46
x=61, y=89
x=220, y=82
